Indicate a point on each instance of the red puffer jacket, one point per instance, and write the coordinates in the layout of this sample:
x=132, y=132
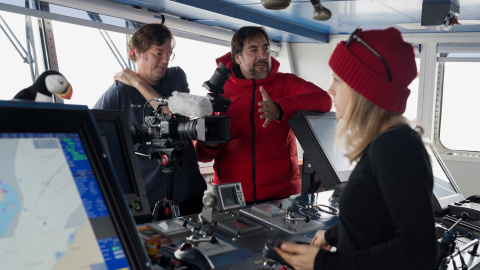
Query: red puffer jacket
x=264, y=160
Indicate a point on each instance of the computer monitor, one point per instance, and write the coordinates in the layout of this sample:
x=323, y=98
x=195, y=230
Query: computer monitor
x=315, y=132
x=61, y=204
x=445, y=189
x=117, y=140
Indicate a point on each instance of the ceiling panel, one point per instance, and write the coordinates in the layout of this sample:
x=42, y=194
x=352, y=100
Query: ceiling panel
x=295, y=23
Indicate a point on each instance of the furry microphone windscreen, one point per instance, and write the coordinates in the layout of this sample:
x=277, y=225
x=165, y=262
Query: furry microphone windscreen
x=189, y=105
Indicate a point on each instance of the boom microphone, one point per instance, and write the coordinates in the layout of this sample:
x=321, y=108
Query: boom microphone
x=189, y=105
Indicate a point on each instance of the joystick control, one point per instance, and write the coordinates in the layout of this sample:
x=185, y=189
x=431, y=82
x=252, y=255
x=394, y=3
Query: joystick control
x=290, y=218
x=193, y=257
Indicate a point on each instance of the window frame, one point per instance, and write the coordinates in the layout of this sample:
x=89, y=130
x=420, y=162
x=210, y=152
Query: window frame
x=440, y=62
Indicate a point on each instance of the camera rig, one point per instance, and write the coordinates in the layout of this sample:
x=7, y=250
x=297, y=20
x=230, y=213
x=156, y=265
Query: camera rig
x=170, y=134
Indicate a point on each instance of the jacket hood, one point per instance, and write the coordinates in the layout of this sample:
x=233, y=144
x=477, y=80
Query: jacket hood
x=226, y=59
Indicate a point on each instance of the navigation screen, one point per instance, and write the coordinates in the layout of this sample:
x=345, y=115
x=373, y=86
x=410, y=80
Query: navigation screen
x=52, y=212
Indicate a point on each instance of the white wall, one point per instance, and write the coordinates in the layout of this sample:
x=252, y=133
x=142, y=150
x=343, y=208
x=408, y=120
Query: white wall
x=311, y=63
x=298, y=58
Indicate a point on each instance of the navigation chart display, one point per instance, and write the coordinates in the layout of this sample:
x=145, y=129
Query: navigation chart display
x=52, y=213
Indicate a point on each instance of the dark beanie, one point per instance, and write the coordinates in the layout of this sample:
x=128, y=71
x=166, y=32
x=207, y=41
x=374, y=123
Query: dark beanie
x=366, y=74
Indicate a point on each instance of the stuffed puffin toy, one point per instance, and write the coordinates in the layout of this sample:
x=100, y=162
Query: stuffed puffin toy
x=50, y=83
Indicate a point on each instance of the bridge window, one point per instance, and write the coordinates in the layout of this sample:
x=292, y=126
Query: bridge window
x=87, y=55
x=19, y=64
x=90, y=64
x=458, y=96
x=412, y=102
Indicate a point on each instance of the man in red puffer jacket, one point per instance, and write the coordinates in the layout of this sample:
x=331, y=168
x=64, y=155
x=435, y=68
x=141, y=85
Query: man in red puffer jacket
x=262, y=151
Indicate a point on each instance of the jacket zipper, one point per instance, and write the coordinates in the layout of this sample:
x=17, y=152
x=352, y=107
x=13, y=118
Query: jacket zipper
x=252, y=121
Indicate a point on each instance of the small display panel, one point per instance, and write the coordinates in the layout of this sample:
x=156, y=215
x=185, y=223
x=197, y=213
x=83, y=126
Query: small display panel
x=229, y=196
x=52, y=207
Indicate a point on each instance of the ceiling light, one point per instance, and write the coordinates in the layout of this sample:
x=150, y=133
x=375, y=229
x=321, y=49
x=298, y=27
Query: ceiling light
x=320, y=13
x=276, y=4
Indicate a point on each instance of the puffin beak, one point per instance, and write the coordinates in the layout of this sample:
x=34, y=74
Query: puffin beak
x=66, y=92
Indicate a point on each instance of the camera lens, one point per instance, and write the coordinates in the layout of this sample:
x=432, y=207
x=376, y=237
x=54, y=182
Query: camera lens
x=188, y=130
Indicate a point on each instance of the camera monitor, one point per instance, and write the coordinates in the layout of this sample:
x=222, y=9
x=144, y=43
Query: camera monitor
x=315, y=132
x=445, y=189
x=60, y=199
x=116, y=138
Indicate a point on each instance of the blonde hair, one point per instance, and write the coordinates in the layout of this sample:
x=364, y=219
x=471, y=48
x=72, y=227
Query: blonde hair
x=361, y=123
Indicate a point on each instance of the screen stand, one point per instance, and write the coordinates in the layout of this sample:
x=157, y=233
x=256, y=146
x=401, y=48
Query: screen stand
x=310, y=181
x=336, y=196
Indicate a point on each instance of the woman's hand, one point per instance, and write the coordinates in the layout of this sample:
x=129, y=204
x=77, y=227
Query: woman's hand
x=298, y=256
x=319, y=241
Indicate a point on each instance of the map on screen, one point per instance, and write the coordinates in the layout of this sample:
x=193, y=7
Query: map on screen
x=47, y=204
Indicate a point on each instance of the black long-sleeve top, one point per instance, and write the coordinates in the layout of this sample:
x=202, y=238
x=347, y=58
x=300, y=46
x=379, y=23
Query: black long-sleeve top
x=386, y=218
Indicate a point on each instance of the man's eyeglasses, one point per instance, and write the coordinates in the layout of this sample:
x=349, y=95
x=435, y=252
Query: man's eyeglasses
x=161, y=54
x=357, y=38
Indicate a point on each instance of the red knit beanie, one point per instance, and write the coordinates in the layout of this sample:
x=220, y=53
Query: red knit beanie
x=366, y=73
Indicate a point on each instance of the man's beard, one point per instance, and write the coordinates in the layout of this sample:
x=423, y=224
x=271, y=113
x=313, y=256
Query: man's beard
x=260, y=75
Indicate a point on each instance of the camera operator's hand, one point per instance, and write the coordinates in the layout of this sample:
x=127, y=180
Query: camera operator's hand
x=269, y=108
x=131, y=78
x=165, y=109
x=128, y=77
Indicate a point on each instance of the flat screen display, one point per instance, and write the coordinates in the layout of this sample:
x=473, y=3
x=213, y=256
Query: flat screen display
x=61, y=206
x=315, y=132
x=118, y=144
x=51, y=206
x=324, y=129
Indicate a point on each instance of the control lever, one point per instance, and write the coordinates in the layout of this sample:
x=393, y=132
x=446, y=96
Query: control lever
x=447, y=246
x=463, y=216
x=290, y=218
x=196, y=228
x=193, y=239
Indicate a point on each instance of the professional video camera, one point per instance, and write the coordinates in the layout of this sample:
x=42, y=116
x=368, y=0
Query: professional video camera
x=170, y=133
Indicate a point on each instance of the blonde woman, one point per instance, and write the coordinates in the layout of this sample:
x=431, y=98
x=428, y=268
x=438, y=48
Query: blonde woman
x=386, y=218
